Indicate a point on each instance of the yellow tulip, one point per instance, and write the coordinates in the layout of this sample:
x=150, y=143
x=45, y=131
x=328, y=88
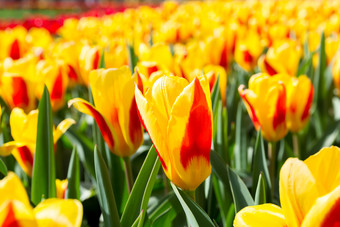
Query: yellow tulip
x=61, y=186
x=178, y=117
x=15, y=208
x=309, y=194
x=13, y=43
x=24, y=133
x=115, y=109
x=265, y=101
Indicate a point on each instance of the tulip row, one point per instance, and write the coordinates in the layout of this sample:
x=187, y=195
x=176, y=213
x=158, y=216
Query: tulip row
x=166, y=86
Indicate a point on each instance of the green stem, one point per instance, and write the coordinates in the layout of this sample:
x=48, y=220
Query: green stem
x=296, y=145
x=128, y=173
x=272, y=165
x=191, y=194
x=166, y=183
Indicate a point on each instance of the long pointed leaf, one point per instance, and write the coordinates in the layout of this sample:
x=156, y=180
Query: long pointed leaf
x=260, y=195
x=241, y=195
x=105, y=193
x=260, y=164
x=139, y=194
x=73, y=176
x=43, y=179
x=194, y=213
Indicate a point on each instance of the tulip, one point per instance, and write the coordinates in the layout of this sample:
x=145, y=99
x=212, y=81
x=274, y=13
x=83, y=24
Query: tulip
x=24, y=133
x=309, y=194
x=282, y=57
x=88, y=60
x=336, y=73
x=13, y=43
x=52, y=73
x=300, y=92
x=178, y=117
x=115, y=109
x=17, y=83
x=265, y=101
x=15, y=208
x=248, y=51
x=61, y=186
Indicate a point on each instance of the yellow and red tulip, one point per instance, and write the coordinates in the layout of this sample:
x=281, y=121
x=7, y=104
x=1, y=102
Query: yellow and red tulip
x=281, y=57
x=309, y=194
x=15, y=208
x=300, y=93
x=89, y=59
x=178, y=117
x=265, y=100
x=248, y=51
x=13, y=43
x=24, y=133
x=117, y=120
x=336, y=73
x=52, y=73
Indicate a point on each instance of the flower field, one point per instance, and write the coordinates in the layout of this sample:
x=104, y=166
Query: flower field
x=216, y=113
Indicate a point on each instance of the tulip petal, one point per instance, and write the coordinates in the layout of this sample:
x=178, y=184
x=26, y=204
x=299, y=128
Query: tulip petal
x=8, y=148
x=11, y=188
x=325, y=211
x=62, y=128
x=298, y=191
x=25, y=157
x=15, y=213
x=190, y=135
x=24, y=127
x=325, y=168
x=261, y=215
x=152, y=126
x=59, y=212
x=104, y=126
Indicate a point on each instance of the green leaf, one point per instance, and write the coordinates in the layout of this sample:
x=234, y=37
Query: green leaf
x=43, y=179
x=102, y=60
x=219, y=168
x=3, y=167
x=73, y=177
x=260, y=165
x=327, y=139
x=241, y=195
x=318, y=81
x=194, y=213
x=305, y=65
x=84, y=149
x=105, y=193
x=260, y=195
x=215, y=94
x=142, y=187
x=133, y=59
x=240, y=149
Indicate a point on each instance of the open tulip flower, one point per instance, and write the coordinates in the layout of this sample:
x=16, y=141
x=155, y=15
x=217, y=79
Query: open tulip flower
x=178, y=117
x=265, y=100
x=16, y=210
x=117, y=120
x=309, y=194
x=24, y=133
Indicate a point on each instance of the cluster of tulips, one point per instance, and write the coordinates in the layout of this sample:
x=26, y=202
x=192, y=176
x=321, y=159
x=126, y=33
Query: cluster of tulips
x=166, y=86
